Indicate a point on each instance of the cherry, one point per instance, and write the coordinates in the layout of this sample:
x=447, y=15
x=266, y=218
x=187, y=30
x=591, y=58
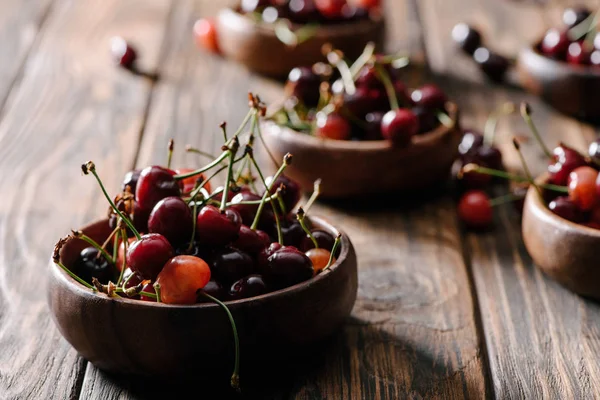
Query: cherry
x=181, y=278
x=363, y=101
x=148, y=255
x=216, y=228
x=292, y=192
x=493, y=65
x=303, y=84
x=555, y=44
x=249, y=286
x=373, y=129
x=578, y=54
x=594, y=150
x=430, y=97
x=573, y=16
x=595, y=58
x=288, y=266
x=230, y=264
x=369, y=79
x=467, y=38
x=172, y=218
x=367, y=4
x=566, y=160
x=246, y=211
x=292, y=232
x=155, y=183
x=188, y=184
x=148, y=288
x=428, y=121
x=123, y=53
x=303, y=11
x=249, y=6
x=333, y=126
x=139, y=217
x=324, y=240
x=213, y=288
x=121, y=252
x=582, y=187
x=272, y=14
x=565, y=208
x=131, y=279
x=205, y=33
x=91, y=264
x=251, y=241
x=475, y=209
x=399, y=126
x=331, y=9
x=319, y=259
x=470, y=142
x=131, y=179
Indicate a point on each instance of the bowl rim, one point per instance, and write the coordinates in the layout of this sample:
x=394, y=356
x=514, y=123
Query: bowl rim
x=433, y=136
x=544, y=212
x=323, y=31
x=578, y=70
x=320, y=222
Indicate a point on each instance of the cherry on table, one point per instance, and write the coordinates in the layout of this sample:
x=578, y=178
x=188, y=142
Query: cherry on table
x=582, y=187
x=333, y=126
x=123, y=53
x=172, y=218
x=148, y=255
x=229, y=264
x=91, y=264
x=154, y=184
x=249, y=286
x=303, y=83
x=399, y=126
x=288, y=266
x=565, y=208
x=493, y=65
x=216, y=228
x=467, y=38
x=181, y=278
x=555, y=44
x=475, y=209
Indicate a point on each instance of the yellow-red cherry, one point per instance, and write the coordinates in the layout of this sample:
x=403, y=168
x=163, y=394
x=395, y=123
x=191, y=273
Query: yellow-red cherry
x=181, y=278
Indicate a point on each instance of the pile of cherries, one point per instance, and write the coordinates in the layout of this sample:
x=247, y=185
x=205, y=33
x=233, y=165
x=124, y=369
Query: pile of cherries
x=364, y=101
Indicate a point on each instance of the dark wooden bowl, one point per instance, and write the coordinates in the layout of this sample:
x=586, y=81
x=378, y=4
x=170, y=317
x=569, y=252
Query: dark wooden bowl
x=256, y=46
x=571, y=89
x=363, y=168
x=128, y=336
x=565, y=251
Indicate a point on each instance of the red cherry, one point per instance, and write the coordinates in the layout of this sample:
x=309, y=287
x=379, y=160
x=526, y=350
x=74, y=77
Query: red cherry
x=565, y=208
x=475, y=209
x=373, y=129
x=123, y=53
x=131, y=180
x=188, y=184
x=399, y=126
x=262, y=260
x=172, y=218
x=555, y=44
x=333, y=126
x=216, y=228
x=582, y=187
x=578, y=54
x=148, y=255
x=289, y=266
x=368, y=4
x=148, y=288
x=181, y=278
x=246, y=211
x=303, y=84
x=249, y=286
x=566, y=160
x=251, y=241
x=292, y=192
x=155, y=183
x=430, y=97
x=330, y=8
x=205, y=32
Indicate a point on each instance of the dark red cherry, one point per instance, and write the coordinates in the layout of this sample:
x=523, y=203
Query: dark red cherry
x=566, y=160
x=565, y=208
x=92, y=265
x=467, y=38
x=262, y=260
x=489, y=156
x=249, y=6
x=555, y=44
x=399, y=126
x=249, y=286
x=470, y=142
x=303, y=84
x=123, y=53
x=595, y=58
x=172, y=218
x=140, y=217
x=250, y=241
x=594, y=150
x=493, y=65
x=230, y=264
x=324, y=239
x=573, y=16
x=362, y=101
x=428, y=121
x=292, y=192
x=475, y=209
x=373, y=126
x=247, y=211
x=215, y=289
x=303, y=11
x=292, y=232
x=369, y=79
x=430, y=97
x=154, y=184
x=578, y=54
x=131, y=180
x=148, y=288
x=333, y=126
x=288, y=266
x=148, y=255
x=216, y=228
x=331, y=9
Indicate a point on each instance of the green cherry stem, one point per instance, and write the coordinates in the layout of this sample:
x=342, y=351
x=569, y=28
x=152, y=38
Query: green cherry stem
x=389, y=87
x=86, y=238
x=362, y=60
x=194, y=217
x=170, y=152
x=315, y=194
x=336, y=244
x=195, y=192
x=232, y=152
x=214, y=163
x=223, y=127
x=336, y=59
x=262, y=141
x=125, y=243
x=235, y=377
x=150, y=295
x=507, y=198
x=91, y=167
x=526, y=114
x=194, y=150
x=287, y=159
x=300, y=217
x=489, y=130
x=511, y=177
x=116, y=242
x=445, y=119
x=157, y=290
x=525, y=167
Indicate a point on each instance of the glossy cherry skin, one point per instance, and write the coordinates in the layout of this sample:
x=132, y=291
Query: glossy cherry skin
x=147, y=256
x=148, y=288
x=493, y=65
x=373, y=126
x=331, y=9
x=582, y=187
x=251, y=242
x=333, y=126
x=188, y=184
x=229, y=264
x=303, y=84
x=324, y=240
x=214, y=289
x=288, y=266
x=594, y=150
x=154, y=184
x=578, y=54
x=249, y=286
x=573, y=16
x=467, y=38
x=555, y=44
x=475, y=209
x=565, y=208
x=429, y=97
x=123, y=53
x=363, y=101
x=319, y=258
x=131, y=179
x=216, y=228
x=566, y=160
x=262, y=260
x=399, y=126
x=172, y=218
x=247, y=211
x=181, y=278
x=90, y=265
x=292, y=192
x=205, y=33
x=470, y=142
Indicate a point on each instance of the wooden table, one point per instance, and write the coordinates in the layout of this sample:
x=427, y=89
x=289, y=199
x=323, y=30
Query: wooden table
x=441, y=313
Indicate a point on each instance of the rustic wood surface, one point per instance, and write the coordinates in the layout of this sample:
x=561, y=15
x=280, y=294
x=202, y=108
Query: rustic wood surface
x=441, y=313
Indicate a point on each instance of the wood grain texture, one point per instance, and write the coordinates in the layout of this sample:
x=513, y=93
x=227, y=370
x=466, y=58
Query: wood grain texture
x=540, y=338
x=72, y=105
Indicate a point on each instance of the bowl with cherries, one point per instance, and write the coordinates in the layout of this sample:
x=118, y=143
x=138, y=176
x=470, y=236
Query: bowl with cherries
x=272, y=37
x=360, y=129
x=181, y=274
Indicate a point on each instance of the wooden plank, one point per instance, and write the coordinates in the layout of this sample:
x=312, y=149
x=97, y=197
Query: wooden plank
x=72, y=105
x=412, y=333
x=540, y=338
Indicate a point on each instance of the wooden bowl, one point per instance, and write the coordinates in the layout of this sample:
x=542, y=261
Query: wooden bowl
x=257, y=47
x=363, y=168
x=564, y=250
x=571, y=89
x=154, y=339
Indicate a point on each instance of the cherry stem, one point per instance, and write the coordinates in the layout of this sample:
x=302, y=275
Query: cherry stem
x=507, y=198
x=125, y=243
x=232, y=151
x=126, y=281
x=91, y=167
x=170, y=151
x=526, y=114
x=194, y=150
x=445, y=119
x=316, y=192
x=255, y=202
x=287, y=159
x=583, y=28
x=195, y=192
x=264, y=182
x=489, y=131
x=336, y=244
x=300, y=214
x=157, y=290
x=244, y=122
x=235, y=377
x=389, y=87
x=362, y=60
x=115, y=242
x=324, y=98
x=108, y=239
x=151, y=295
x=262, y=140
x=525, y=167
x=92, y=242
x=223, y=127
x=223, y=156
x=516, y=178
x=72, y=275
x=195, y=216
